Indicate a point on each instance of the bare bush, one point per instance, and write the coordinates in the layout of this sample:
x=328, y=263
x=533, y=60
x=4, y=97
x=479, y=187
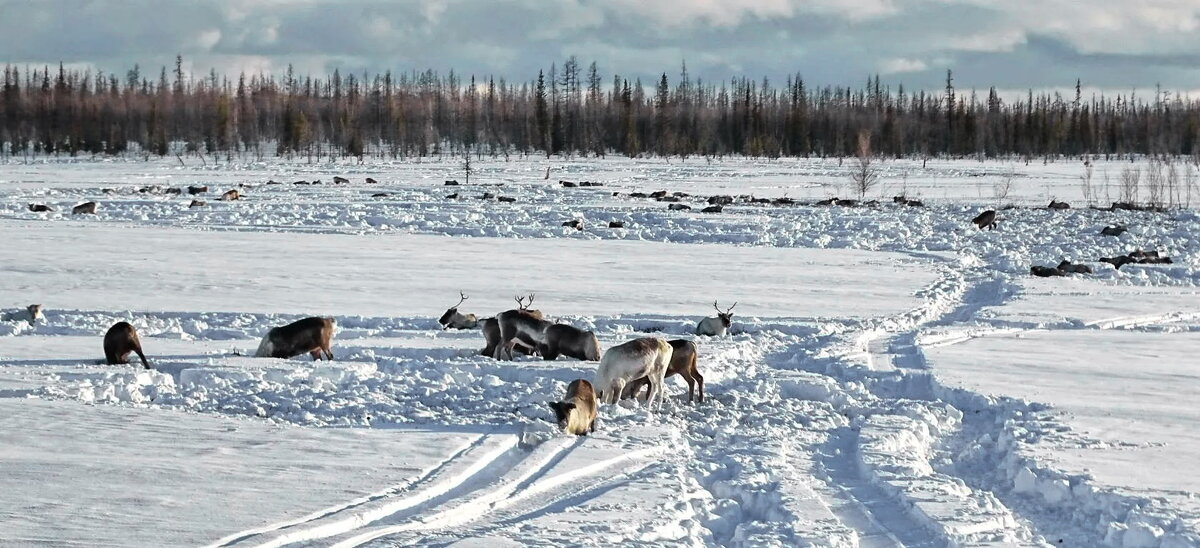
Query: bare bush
x=864, y=177
x=1172, y=182
x=1155, y=183
x=1189, y=184
x=1131, y=178
x=1002, y=187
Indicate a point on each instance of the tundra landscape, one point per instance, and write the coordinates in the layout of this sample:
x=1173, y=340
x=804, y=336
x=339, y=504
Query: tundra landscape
x=507, y=273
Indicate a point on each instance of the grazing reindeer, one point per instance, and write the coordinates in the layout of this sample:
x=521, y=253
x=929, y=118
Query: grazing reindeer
x=119, y=341
x=571, y=342
x=452, y=318
x=645, y=357
x=492, y=333
x=31, y=314
x=520, y=327
x=307, y=336
x=576, y=412
x=683, y=362
x=86, y=208
x=716, y=327
x=987, y=220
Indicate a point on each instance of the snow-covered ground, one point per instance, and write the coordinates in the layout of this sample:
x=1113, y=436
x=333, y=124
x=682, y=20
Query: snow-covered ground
x=894, y=377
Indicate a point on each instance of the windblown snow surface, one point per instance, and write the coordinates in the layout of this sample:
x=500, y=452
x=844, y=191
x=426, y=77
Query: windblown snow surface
x=894, y=377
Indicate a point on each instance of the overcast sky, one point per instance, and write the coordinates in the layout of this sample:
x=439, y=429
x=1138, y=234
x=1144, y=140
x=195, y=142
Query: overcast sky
x=1013, y=44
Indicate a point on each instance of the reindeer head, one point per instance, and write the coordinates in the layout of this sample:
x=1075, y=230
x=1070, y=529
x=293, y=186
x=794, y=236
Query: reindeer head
x=726, y=316
x=450, y=312
x=562, y=412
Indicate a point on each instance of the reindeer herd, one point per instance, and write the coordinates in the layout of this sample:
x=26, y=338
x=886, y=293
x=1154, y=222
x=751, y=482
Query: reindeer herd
x=624, y=370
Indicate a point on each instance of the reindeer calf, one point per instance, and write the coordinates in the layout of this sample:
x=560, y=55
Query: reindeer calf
x=119, y=341
x=308, y=336
x=576, y=412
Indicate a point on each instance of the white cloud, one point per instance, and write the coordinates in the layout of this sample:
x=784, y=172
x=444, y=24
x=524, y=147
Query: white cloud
x=901, y=65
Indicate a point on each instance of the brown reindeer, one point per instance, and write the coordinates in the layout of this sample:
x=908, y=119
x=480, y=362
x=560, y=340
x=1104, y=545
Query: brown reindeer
x=491, y=331
x=570, y=341
x=683, y=362
x=86, y=208
x=231, y=196
x=119, y=341
x=308, y=336
x=576, y=412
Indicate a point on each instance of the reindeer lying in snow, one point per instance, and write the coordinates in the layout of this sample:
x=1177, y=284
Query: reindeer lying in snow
x=307, y=336
x=576, y=412
x=716, y=326
x=646, y=357
x=453, y=319
x=29, y=314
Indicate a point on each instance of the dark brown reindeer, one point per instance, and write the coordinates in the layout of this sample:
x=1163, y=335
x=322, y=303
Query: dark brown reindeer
x=521, y=328
x=716, y=326
x=987, y=220
x=308, y=336
x=683, y=362
x=491, y=330
x=119, y=341
x=453, y=319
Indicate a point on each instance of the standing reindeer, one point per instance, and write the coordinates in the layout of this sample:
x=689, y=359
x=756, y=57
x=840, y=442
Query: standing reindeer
x=522, y=328
x=491, y=330
x=646, y=357
x=452, y=318
x=683, y=362
x=717, y=326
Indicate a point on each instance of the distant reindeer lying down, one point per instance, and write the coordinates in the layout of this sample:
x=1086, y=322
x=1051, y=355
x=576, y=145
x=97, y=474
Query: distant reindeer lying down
x=307, y=336
x=718, y=325
x=453, y=319
x=646, y=357
x=31, y=314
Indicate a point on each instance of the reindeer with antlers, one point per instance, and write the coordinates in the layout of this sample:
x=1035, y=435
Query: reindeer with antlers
x=527, y=328
x=491, y=329
x=716, y=326
x=454, y=319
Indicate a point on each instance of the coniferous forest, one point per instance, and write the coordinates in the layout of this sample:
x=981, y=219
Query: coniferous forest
x=565, y=109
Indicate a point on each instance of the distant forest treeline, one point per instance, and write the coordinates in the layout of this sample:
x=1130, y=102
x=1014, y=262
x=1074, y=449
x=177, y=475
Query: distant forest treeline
x=565, y=110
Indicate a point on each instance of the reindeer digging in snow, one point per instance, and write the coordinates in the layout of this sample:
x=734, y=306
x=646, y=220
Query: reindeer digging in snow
x=716, y=326
x=453, y=319
x=576, y=412
x=307, y=336
x=491, y=331
x=31, y=314
x=519, y=327
x=119, y=341
x=646, y=357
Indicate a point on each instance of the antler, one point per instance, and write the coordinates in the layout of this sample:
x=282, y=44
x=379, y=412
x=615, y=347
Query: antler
x=716, y=307
x=520, y=302
x=461, y=300
x=730, y=309
x=531, y=296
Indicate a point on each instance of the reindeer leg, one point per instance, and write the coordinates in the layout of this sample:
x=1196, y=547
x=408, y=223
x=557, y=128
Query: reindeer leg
x=691, y=386
x=328, y=353
x=316, y=354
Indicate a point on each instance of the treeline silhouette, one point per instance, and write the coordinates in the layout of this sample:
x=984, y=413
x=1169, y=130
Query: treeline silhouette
x=566, y=109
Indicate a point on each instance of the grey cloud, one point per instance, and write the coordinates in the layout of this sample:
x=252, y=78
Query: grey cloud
x=1013, y=44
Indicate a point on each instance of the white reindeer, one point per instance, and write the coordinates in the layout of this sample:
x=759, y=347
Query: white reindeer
x=716, y=326
x=646, y=357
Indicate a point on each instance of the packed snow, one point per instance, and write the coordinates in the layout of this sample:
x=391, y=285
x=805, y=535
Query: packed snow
x=894, y=376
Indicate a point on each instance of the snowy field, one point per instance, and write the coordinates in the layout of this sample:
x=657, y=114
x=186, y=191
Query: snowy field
x=894, y=376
